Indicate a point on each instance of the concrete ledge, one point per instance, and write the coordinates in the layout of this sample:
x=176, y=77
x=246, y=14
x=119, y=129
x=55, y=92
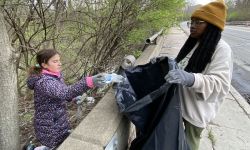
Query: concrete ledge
x=104, y=127
x=98, y=127
x=75, y=144
x=104, y=119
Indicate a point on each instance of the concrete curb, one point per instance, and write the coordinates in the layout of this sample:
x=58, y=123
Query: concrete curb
x=241, y=101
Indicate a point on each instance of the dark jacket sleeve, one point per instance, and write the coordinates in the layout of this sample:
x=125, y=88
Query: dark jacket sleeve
x=56, y=89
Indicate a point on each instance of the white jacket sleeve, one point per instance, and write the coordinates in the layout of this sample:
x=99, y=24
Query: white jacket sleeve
x=214, y=82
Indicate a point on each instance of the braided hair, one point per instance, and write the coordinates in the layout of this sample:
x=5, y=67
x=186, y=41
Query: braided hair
x=204, y=52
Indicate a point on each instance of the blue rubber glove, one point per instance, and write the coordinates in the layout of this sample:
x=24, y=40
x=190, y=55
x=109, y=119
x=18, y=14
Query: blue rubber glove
x=180, y=77
x=99, y=80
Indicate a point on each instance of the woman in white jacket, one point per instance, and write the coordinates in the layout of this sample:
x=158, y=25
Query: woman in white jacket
x=206, y=78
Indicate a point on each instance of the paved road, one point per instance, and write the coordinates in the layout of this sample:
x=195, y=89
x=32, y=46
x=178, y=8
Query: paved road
x=239, y=40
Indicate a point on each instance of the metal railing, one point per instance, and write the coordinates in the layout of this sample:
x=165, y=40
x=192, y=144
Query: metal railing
x=153, y=38
x=245, y=23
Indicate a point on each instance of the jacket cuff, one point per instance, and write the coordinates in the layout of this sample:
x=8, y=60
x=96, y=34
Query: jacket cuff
x=196, y=81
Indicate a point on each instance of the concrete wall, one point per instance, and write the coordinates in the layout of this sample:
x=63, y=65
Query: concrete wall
x=104, y=128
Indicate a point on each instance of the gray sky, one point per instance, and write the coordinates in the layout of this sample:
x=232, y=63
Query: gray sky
x=202, y=1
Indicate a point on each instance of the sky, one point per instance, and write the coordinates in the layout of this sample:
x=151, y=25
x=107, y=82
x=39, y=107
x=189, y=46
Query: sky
x=203, y=2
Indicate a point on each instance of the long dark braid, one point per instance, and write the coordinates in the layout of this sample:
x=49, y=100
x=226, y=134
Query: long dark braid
x=204, y=52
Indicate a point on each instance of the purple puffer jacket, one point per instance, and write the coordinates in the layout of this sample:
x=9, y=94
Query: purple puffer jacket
x=50, y=95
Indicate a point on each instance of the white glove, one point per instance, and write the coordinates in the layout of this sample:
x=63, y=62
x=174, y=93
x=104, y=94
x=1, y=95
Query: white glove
x=180, y=77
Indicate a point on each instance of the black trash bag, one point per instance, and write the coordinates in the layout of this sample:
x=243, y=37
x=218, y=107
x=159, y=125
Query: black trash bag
x=133, y=94
x=153, y=106
x=165, y=131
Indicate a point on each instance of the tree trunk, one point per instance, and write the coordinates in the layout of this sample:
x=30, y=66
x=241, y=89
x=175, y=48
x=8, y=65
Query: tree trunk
x=9, y=129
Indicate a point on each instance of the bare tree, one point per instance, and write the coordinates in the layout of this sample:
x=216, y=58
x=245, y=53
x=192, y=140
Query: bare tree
x=9, y=129
x=91, y=35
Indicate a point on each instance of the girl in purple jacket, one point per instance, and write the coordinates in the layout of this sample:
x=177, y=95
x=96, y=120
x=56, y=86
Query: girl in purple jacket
x=51, y=94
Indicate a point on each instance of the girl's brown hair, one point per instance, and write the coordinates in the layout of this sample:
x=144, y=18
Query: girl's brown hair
x=42, y=56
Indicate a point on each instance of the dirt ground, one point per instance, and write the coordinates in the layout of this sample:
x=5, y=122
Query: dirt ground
x=26, y=114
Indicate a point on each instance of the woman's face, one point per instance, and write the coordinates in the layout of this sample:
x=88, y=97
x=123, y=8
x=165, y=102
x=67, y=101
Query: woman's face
x=197, y=27
x=54, y=64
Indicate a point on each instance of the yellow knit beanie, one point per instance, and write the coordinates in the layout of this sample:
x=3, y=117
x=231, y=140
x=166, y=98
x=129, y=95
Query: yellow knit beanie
x=214, y=13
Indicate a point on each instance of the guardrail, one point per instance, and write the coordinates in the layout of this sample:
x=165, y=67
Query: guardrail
x=153, y=38
x=245, y=23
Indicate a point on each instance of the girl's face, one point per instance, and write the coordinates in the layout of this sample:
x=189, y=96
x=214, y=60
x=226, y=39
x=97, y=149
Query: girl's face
x=54, y=64
x=197, y=27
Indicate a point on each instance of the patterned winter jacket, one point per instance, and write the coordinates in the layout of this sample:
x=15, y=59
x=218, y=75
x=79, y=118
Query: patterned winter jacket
x=50, y=95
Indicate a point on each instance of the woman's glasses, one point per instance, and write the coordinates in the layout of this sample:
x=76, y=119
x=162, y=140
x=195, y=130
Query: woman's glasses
x=195, y=23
